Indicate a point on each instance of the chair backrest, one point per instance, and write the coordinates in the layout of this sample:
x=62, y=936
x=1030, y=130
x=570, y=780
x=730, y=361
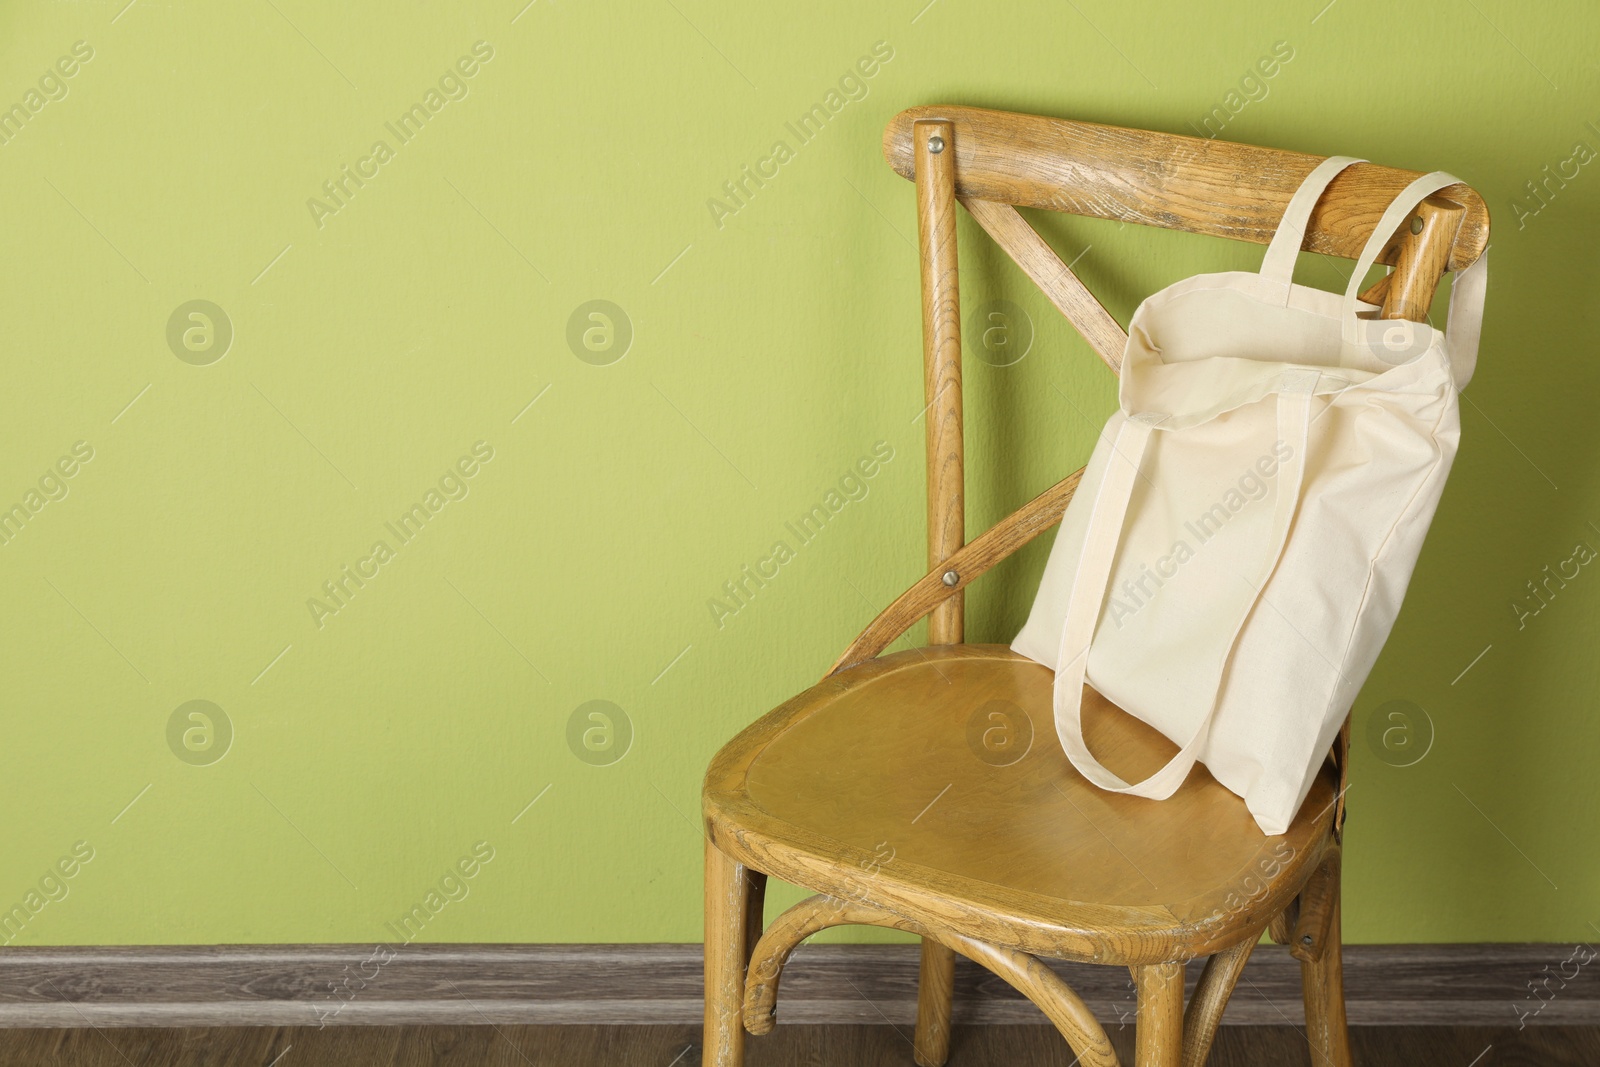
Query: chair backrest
x=995, y=161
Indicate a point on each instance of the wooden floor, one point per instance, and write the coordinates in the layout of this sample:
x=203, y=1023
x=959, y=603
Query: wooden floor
x=789, y=1046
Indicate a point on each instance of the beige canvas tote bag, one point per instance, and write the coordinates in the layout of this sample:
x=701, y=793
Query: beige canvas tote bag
x=1237, y=551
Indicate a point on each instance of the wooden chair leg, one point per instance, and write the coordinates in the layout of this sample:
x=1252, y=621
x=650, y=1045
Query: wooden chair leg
x=1159, y=1034
x=1210, y=1000
x=1323, y=982
x=935, y=999
x=733, y=903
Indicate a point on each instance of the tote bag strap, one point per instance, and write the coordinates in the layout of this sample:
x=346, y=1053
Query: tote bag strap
x=1106, y=518
x=1277, y=266
x=1466, y=294
x=1465, y=325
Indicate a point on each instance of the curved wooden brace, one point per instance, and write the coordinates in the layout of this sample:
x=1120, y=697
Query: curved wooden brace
x=1026, y=973
x=1210, y=999
x=1063, y=1007
x=783, y=936
x=971, y=560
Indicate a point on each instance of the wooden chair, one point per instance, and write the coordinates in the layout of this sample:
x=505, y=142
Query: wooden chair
x=865, y=788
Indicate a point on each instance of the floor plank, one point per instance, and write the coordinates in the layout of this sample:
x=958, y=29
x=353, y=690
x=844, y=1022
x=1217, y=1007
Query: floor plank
x=788, y=1046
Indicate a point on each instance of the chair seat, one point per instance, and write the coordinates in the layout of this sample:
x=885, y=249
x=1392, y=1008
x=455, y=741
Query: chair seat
x=936, y=776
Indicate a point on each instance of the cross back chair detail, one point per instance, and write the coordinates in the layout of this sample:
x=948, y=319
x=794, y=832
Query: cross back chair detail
x=875, y=789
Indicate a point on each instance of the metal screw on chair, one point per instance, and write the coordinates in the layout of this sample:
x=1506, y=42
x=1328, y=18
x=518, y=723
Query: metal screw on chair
x=1307, y=940
x=1416, y=223
x=936, y=144
x=950, y=578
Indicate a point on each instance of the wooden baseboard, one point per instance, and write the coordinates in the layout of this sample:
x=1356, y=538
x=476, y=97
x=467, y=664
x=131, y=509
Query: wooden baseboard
x=312, y=985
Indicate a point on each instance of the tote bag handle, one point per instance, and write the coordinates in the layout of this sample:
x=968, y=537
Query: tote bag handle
x=1277, y=266
x=1106, y=518
x=1466, y=292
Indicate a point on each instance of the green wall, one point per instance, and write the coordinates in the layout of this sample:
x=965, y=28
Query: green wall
x=387, y=341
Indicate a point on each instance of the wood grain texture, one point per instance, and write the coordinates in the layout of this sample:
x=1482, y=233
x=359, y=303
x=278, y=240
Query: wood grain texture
x=936, y=990
x=941, y=341
x=941, y=349
x=731, y=893
x=1387, y=985
x=1323, y=988
x=1040, y=263
x=784, y=935
x=1219, y=188
x=1026, y=853
x=791, y=1046
x=1023, y=972
x=1281, y=928
x=1420, y=254
x=1058, y=1000
x=1313, y=928
x=1159, y=1033
x=971, y=561
x=1210, y=1000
